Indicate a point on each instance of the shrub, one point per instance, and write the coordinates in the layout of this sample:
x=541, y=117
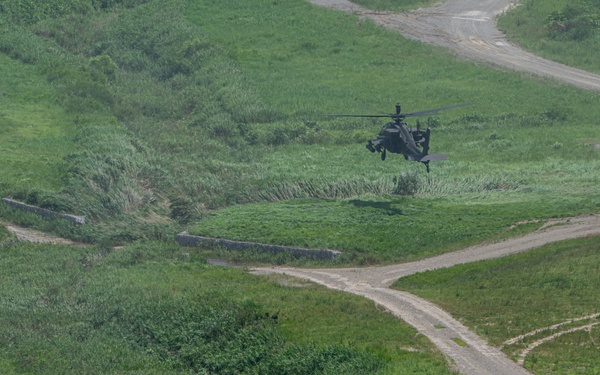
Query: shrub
x=408, y=183
x=578, y=20
x=106, y=65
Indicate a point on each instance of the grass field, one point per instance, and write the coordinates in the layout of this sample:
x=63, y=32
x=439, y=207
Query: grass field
x=35, y=131
x=386, y=229
x=228, y=107
x=149, y=310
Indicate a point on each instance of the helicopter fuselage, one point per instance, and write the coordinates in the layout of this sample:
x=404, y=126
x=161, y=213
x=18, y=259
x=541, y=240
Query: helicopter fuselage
x=396, y=137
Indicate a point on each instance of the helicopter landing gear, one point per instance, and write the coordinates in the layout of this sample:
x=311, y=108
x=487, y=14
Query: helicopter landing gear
x=370, y=146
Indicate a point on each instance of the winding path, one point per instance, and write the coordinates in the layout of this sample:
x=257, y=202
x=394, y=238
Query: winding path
x=468, y=27
x=476, y=357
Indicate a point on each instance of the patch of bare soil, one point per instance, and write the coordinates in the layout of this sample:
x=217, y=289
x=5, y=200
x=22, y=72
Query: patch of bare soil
x=30, y=235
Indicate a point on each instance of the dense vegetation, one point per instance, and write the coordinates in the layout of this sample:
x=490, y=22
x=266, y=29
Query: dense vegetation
x=565, y=31
x=147, y=309
x=503, y=298
x=127, y=113
x=5, y=234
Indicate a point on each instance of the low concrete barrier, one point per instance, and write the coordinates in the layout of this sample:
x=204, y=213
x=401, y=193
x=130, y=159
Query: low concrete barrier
x=76, y=220
x=188, y=240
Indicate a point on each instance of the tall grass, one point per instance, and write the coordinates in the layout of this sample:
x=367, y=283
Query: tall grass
x=150, y=310
x=5, y=234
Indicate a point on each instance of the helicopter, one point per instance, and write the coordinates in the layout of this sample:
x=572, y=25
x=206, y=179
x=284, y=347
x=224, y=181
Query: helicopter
x=396, y=137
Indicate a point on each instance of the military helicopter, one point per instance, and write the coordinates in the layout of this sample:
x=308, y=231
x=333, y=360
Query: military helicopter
x=396, y=137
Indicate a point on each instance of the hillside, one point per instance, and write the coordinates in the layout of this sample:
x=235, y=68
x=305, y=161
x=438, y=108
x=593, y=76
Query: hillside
x=151, y=117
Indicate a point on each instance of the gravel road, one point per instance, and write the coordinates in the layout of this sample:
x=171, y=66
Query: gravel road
x=476, y=357
x=468, y=27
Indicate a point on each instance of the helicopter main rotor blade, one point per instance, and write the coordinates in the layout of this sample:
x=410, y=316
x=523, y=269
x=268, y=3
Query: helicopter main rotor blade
x=344, y=115
x=400, y=116
x=430, y=112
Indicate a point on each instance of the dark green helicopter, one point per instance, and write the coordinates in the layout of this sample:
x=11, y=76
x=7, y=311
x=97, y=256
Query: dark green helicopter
x=396, y=137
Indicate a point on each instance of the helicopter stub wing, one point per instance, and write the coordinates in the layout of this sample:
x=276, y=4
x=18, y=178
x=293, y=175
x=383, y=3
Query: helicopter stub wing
x=434, y=157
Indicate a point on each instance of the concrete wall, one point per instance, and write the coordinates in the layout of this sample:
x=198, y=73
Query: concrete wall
x=188, y=240
x=76, y=220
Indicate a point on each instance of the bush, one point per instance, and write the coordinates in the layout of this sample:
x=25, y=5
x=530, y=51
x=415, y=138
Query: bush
x=408, y=183
x=4, y=234
x=578, y=20
x=232, y=338
x=106, y=65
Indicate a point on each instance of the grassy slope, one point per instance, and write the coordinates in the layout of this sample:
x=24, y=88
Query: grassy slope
x=382, y=229
x=148, y=309
x=527, y=25
x=491, y=148
x=68, y=312
x=521, y=152
x=35, y=131
x=297, y=86
x=226, y=107
x=503, y=298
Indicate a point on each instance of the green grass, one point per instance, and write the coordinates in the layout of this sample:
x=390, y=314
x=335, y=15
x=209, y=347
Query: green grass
x=35, y=131
x=387, y=229
x=503, y=298
x=148, y=309
x=5, y=234
x=525, y=139
x=217, y=104
x=529, y=26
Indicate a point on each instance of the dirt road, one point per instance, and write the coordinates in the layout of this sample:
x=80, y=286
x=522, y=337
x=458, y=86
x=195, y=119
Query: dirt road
x=31, y=235
x=468, y=27
x=476, y=357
